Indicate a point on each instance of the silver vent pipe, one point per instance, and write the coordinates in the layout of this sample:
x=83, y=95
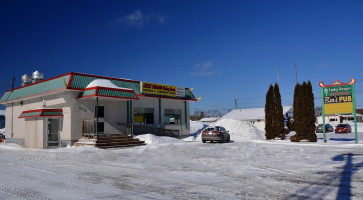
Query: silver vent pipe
x=37, y=76
x=26, y=80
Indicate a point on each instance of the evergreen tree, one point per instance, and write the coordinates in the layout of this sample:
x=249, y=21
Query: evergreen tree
x=278, y=118
x=304, y=111
x=268, y=114
x=297, y=114
x=310, y=115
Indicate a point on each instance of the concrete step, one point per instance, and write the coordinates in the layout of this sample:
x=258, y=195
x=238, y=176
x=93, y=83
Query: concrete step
x=120, y=146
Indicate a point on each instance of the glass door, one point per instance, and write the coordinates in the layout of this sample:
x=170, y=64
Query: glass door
x=53, y=133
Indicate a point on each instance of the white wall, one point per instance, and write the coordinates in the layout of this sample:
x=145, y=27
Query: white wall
x=327, y=119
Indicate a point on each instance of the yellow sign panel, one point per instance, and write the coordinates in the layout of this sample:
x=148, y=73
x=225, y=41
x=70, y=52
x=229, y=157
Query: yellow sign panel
x=338, y=108
x=158, y=89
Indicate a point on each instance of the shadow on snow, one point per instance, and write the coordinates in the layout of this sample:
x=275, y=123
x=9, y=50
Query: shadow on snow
x=342, y=178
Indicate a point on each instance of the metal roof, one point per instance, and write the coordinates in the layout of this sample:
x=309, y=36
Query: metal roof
x=42, y=112
x=79, y=81
x=108, y=92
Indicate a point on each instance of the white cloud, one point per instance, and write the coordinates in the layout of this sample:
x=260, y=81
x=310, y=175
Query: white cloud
x=203, y=69
x=139, y=19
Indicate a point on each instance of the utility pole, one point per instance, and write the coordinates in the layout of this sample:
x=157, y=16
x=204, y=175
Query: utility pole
x=12, y=83
x=296, y=73
x=235, y=103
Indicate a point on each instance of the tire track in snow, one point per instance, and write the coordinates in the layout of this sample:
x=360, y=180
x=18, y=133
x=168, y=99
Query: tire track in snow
x=19, y=193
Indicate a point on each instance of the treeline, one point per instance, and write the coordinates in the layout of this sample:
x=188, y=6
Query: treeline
x=199, y=114
x=303, y=121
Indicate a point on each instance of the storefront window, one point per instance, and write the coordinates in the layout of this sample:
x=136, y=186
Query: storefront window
x=144, y=115
x=172, y=116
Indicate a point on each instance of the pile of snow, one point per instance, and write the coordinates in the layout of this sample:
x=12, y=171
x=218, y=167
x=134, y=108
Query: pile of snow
x=196, y=127
x=153, y=139
x=2, y=131
x=241, y=130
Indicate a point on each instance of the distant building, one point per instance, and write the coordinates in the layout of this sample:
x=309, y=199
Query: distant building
x=339, y=118
x=255, y=116
x=209, y=119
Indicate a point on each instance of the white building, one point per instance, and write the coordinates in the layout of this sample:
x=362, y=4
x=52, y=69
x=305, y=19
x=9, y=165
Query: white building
x=255, y=116
x=339, y=118
x=209, y=119
x=60, y=110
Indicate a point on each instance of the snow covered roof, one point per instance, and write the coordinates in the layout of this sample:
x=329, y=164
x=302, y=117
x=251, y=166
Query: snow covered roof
x=209, y=119
x=251, y=113
x=104, y=83
x=76, y=81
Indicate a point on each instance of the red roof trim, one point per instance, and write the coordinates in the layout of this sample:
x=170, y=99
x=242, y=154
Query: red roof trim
x=31, y=116
x=70, y=81
x=163, y=97
x=107, y=88
x=191, y=93
x=45, y=80
x=42, y=110
x=352, y=81
x=104, y=77
x=97, y=95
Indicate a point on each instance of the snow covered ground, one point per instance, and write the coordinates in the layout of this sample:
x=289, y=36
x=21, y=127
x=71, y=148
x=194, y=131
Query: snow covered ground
x=249, y=167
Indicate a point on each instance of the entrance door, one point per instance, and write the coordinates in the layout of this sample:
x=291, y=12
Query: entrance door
x=53, y=133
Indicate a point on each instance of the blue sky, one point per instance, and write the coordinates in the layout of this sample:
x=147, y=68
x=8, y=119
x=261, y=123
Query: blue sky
x=223, y=49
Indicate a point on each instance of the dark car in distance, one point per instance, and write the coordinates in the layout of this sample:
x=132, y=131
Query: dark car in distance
x=217, y=133
x=328, y=128
x=343, y=128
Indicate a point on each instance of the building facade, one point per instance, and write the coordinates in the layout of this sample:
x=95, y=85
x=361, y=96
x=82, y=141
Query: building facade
x=60, y=110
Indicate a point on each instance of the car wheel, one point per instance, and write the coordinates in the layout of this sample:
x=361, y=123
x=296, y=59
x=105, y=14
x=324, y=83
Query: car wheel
x=228, y=139
x=222, y=139
x=203, y=141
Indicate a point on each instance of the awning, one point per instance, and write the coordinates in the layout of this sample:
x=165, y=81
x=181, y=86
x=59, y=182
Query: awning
x=42, y=112
x=108, y=92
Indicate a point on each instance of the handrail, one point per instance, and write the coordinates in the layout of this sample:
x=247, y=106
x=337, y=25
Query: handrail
x=138, y=129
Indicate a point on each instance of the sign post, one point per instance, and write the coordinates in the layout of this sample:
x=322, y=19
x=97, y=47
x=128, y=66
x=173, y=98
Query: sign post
x=339, y=98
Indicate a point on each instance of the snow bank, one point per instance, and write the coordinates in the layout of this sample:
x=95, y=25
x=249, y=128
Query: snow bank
x=153, y=139
x=11, y=146
x=2, y=131
x=241, y=130
x=196, y=127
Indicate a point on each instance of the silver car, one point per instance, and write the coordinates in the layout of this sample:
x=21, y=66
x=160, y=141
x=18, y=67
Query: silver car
x=217, y=133
x=328, y=128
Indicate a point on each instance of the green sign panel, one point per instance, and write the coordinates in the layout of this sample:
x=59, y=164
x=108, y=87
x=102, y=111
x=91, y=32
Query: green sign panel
x=338, y=98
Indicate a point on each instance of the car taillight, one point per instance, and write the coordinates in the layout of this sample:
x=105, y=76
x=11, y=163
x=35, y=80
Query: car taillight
x=204, y=132
x=216, y=132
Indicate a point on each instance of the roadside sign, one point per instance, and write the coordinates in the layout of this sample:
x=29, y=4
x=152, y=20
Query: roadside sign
x=339, y=98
